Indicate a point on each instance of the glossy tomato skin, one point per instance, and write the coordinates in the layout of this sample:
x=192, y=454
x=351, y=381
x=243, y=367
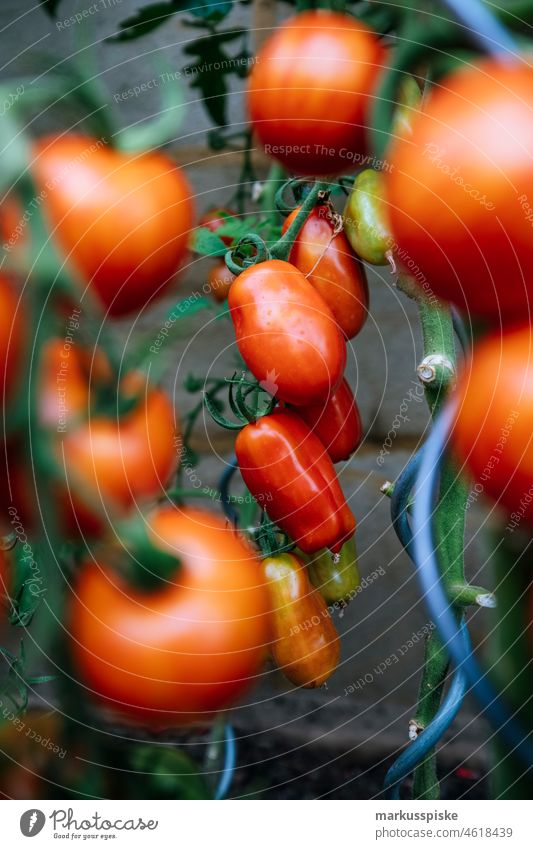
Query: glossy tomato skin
x=288, y=471
x=285, y=332
x=306, y=646
x=220, y=280
x=178, y=655
x=337, y=580
x=122, y=220
x=492, y=430
x=330, y=265
x=337, y=423
x=215, y=218
x=458, y=191
x=11, y=336
x=311, y=91
x=365, y=218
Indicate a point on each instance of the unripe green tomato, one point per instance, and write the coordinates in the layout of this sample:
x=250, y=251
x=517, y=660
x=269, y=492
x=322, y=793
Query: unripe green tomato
x=337, y=581
x=409, y=102
x=365, y=218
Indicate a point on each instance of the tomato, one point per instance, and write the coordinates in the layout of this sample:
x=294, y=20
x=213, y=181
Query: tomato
x=215, y=218
x=337, y=579
x=492, y=431
x=112, y=464
x=288, y=471
x=306, y=646
x=460, y=191
x=11, y=335
x=285, y=332
x=123, y=220
x=179, y=654
x=311, y=91
x=337, y=423
x=365, y=218
x=220, y=280
x=329, y=264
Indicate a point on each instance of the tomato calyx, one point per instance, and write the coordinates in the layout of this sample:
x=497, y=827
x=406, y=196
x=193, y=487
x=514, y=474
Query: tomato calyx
x=146, y=565
x=270, y=539
x=240, y=388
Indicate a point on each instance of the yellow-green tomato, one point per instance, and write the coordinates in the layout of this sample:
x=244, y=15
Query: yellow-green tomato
x=365, y=218
x=335, y=577
x=409, y=101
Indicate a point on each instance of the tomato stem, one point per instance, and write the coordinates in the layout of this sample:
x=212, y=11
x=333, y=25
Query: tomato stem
x=282, y=248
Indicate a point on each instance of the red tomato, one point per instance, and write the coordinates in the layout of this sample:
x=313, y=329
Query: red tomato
x=286, y=333
x=336, y=423
x=492, y=434
x=179, y=654
x=306, y=646
x=215, y=218
x=331, y=266
x=460, y=191
x=220, y=280
x=288, y=471
x=122, y=219
x=311, y=90
x=111, y=464
x=11, y=331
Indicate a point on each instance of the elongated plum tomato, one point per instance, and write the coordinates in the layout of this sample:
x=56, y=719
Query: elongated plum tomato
x=492, y=432
x=366, y=222
x=337, y=423
x=312, y=89
x=337, y=579
x=177, y=655
x=288, y=471
x=459, y=190
x=330, y=265
x=286, y=333
x=11, y=335
x=306, y=646
x=122, y=219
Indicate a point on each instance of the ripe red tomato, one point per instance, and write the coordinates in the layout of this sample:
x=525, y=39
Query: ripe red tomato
x=220, y=280
x=460, y=191
x=311, y=90
x=331, y=266
x=11, y=332
x=122, y=219
x=179, y=654
x=286, y=333
x=288, y=471
x=306, y=646
x=110, y=464
x=215, y=218
x=492, y=433
x=336, y=423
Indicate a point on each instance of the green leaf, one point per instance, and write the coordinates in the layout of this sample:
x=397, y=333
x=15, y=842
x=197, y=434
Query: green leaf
x=167, y=774
x=50, y=6
x=149, y=18
x=206, y=243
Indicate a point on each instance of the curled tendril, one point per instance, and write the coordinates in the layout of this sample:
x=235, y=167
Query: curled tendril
x=250, y=240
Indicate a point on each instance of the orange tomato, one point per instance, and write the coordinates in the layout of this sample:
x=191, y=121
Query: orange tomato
x=460, y=191
x=182, y=653
x=311, y=91
x=306, y=646
x=122, y=220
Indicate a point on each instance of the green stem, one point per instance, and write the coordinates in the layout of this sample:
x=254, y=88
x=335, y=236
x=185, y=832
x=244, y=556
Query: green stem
x=282, y=248
x=437, y=373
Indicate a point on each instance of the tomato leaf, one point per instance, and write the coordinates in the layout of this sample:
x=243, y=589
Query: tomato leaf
x=153, y=16
x=50, y=6
x=206, y=243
